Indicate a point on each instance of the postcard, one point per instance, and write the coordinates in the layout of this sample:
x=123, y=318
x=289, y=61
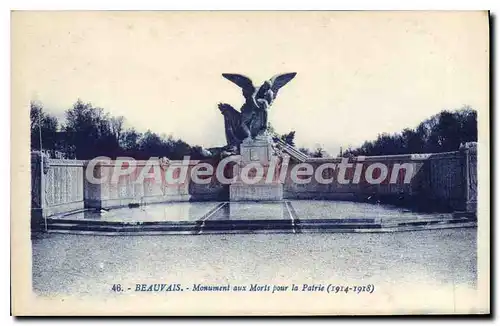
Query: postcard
x=250, y=163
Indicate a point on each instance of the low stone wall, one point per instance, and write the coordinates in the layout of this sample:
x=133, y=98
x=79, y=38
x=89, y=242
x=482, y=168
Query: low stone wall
x=446, y=179
x=449, y=179
x=56, y=185
x=125, y=189
x=439, y=179
x=349, y=191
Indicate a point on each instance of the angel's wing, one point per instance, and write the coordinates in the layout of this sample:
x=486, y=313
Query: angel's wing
x=281, y=80
x=269, y=89
x=242, y=81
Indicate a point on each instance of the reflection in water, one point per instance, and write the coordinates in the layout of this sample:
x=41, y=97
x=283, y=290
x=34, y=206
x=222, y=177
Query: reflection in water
x=330, y=209
x=182, y=211
x=285, y=210
x=252, y=211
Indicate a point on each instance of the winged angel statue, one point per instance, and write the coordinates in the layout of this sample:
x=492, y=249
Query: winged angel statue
x=252, y=120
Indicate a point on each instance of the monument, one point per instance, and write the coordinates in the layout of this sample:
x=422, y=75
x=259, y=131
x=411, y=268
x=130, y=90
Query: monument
x=247, y=135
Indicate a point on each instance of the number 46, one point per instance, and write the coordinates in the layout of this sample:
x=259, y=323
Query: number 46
x=116, y=288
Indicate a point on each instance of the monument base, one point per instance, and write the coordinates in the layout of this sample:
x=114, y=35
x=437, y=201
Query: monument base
x=257, y=192
x=259, y=152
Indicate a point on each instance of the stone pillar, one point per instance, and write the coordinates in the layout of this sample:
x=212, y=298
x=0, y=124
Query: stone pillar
x=254, y=153
x=470, y=165
x=39, y=169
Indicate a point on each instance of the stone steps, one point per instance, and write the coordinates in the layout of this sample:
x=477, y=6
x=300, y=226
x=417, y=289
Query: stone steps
x=255, y=226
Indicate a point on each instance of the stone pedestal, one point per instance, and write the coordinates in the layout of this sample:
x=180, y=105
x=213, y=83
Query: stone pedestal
x=242, y=192
x=254, y=153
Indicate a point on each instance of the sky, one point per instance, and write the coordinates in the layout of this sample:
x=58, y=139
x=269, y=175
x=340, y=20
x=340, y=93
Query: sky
x=358, y=73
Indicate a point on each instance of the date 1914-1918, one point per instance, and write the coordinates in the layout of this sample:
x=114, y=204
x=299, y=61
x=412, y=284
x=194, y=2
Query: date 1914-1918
x=332, y=288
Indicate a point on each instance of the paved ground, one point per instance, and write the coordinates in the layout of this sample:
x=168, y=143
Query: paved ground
x=82, y=265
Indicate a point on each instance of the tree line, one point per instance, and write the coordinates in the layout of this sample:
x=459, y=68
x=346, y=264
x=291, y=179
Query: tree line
x=88, y=132
x=443, y=132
